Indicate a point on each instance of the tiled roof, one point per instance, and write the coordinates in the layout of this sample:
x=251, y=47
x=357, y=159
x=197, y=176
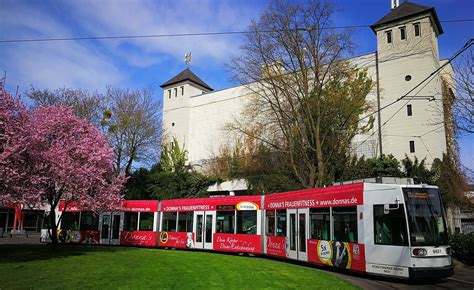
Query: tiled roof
x=405, y=10
x=186, y=75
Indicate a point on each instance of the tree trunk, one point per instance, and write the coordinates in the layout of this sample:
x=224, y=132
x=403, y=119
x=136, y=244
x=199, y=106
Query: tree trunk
x=319, y=150
x=54, y=227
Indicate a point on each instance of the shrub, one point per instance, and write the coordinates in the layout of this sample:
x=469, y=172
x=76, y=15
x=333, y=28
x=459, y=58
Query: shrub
x=463, y=247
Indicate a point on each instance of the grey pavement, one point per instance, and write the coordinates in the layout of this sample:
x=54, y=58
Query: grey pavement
x=32, y=239
x=463, y=278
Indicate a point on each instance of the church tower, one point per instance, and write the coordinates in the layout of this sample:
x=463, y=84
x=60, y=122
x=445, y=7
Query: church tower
x=176, y=104
x=407, y=53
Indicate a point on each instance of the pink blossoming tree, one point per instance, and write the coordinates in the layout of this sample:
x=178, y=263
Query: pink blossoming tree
x=48, y=155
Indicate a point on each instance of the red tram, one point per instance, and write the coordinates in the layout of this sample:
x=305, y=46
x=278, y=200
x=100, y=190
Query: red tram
x=382, y=229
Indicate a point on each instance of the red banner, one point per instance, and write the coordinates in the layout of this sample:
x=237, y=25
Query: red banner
x=139, y=206
x=237, y=243
x=138, y=238
x=276, y=246
x=81, y=237
x=343, y=195
x=71, y=207
x=204, y=204
x=182, y=240
x=337, y=254
x=125, y=205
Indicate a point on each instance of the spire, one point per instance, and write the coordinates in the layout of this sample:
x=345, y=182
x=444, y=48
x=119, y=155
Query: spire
x=186, y=75
x=408, y=10
x=395, y=3
x=187, y=59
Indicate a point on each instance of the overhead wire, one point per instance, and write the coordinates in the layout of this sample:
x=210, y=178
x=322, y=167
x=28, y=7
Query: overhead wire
x=428, y=79
x=464, y=48
x=192, y=34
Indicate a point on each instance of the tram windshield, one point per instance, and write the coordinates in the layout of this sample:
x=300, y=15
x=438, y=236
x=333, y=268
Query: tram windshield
x=425, y=217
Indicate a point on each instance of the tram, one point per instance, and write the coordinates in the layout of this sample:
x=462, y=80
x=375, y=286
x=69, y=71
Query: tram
x=381, y=229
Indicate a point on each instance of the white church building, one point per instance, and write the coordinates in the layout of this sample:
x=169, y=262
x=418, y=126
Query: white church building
x=407, y=53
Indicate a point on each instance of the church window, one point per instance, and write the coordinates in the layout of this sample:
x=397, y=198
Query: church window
x=169, y=94
x=172, y=124
x=389, y=36
x=175, y=92
x=182, y=90
x=412, y=146
x=403, y=35
x=417, y=29
x=409, y=111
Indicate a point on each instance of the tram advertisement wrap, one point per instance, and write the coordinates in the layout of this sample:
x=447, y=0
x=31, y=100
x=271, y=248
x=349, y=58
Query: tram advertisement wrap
x=337, y=254
x=276, y=246
x=138, y=238
x=78, y=237
x=237, y=243
x=181, y=240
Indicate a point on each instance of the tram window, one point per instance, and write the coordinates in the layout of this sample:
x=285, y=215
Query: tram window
x=130, y=222
x=225, y=222
x=185, y=221
x=391, y=228
x=345, y=224
x=169, y=222
x=146, y=221
x=281, y=222
x=89, y=221
x=270, y=222
x=247, y=222
x=320, y=223
x=70, y=221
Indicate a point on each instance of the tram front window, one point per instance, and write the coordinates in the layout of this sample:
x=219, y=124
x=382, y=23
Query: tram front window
x=425, y=217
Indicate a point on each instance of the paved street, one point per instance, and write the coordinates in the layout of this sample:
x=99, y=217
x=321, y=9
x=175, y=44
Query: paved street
x=463, y=279
x=33, y=238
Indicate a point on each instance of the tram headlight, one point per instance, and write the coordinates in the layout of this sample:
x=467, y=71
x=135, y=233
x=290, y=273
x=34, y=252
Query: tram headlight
x=419, y=252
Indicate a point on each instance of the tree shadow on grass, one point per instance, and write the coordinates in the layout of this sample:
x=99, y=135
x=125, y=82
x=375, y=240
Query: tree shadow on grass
x=27, y=253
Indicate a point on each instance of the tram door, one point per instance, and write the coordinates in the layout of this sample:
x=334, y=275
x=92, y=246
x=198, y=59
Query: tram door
x=297, y=225
x=111, y=225
x=204, y=228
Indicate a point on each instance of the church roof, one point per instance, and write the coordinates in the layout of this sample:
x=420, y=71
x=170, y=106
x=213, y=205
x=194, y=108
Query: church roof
x=406, y=10
x=186, y=75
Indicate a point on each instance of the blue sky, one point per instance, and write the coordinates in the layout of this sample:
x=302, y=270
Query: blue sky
x=150, y=62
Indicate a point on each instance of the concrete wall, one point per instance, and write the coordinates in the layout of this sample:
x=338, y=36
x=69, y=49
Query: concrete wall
x=200, y=119
x=209, y=115
x=176, y=110
x=416, y=56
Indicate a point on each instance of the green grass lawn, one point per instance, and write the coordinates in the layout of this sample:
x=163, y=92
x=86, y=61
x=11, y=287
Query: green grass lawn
x=117, y=267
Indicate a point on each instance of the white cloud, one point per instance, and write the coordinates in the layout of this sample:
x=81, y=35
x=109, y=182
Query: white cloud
x=145, y=18
x=50, y=64
x=94, y=64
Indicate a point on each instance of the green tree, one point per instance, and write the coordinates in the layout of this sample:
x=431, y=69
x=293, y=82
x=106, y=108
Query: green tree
x=137, y=184
x=173, y=158
x=304, y=100
x=85, y=105
x=450, y=180
x=417, y=170
x=264, y=170
x=353, y=168
x=173, y=178
x=133, y=126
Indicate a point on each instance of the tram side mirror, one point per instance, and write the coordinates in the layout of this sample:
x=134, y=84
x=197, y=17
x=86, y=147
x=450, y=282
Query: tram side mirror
x=386, y=208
